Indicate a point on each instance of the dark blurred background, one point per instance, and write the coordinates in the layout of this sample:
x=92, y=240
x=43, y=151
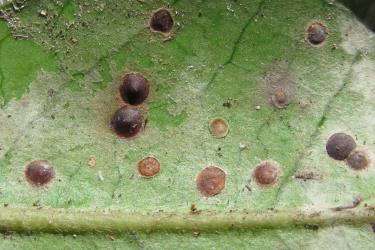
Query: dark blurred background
x=363, y=9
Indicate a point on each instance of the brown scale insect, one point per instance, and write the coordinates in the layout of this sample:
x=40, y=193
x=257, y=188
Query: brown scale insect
x=162, y=21
x=148, y=167
x=316, y=33
x=358, y=159
x=219, y=127
x=339, y=146
x=211, y=181
x=279, y=97
x=39, y=173
x=127, y=122
x=134, y=88
x=266, y=173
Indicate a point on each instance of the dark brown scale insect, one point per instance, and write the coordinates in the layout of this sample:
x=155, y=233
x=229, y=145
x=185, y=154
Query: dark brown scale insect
x=162, y=21
x=134, y=89
x=266, y=173
x=211, y=181
x=316, y=33
x=339, y=146
x=39, y=173
x=127, y=122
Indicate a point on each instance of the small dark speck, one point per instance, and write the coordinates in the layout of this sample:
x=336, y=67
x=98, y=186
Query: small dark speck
x=50, y=92
x=196, y=234
x=146, y=122
x=194, y=209
x=311, y=227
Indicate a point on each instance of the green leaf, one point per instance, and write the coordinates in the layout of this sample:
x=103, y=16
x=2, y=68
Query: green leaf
x=61, y=65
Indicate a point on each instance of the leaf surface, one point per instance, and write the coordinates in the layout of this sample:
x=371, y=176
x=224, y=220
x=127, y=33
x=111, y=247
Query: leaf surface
x=61, y=64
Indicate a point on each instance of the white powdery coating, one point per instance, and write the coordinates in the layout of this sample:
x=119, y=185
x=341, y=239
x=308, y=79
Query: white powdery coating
x=5, y=1
x=364, y=79
x=356, y=36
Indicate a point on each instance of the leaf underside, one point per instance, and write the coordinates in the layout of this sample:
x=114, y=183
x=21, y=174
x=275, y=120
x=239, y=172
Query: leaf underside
x=61, y=63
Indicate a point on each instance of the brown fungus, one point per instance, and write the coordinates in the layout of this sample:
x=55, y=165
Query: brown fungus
x=162, y=21
x=211, y=181
x=148, y=167
x=127, y=122
x=39, y=173
x=134, y=88
x=339, y=146
x=266, y=173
